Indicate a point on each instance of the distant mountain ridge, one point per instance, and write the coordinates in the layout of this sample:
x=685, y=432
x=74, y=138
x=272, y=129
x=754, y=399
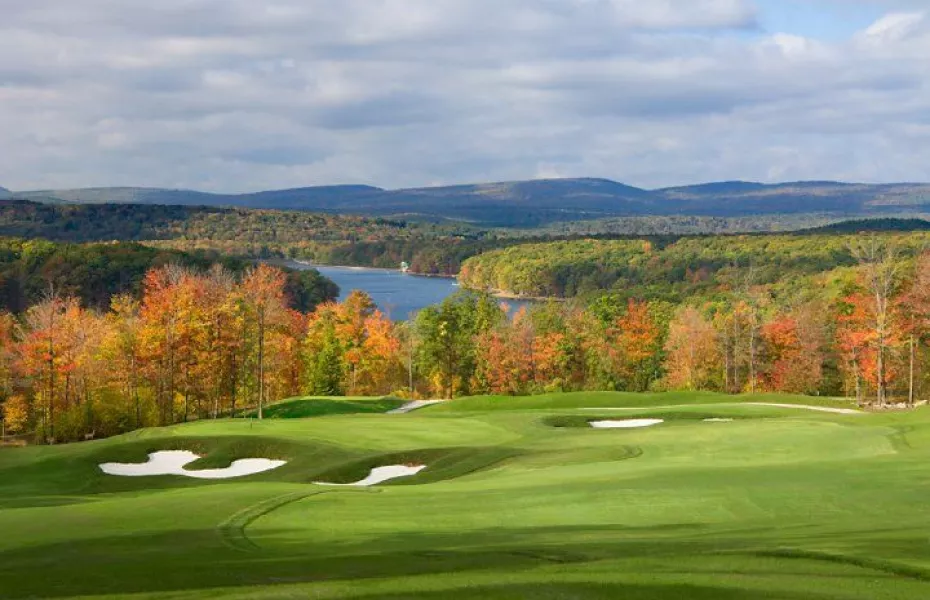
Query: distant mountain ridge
x=537, y=202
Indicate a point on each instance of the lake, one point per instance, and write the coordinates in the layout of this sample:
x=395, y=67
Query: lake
x=398, y=295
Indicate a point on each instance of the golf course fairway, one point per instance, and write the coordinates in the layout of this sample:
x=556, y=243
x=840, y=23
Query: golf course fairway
x=520, y=498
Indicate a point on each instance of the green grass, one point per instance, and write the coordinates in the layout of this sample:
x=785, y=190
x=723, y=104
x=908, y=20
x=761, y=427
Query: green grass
x=615, y=399
x=302, y=408
x=520, y=500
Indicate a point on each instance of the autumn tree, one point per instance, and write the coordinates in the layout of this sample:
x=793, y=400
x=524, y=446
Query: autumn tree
x=7, y=358
x=794, y=344
x=879, y=265
x=635, y=345
x=505, y=357
x=913, y=308
x=42, y=357
x=263, y=292
x=693, y=354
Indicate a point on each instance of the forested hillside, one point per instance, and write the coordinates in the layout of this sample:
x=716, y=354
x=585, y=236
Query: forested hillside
x=436, y=249
x=672, y=269
x=538, y=203
x=322, y=238
x=93, y=273
x=128, y=222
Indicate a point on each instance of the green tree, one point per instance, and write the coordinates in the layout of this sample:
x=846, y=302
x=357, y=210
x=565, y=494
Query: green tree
x=448, y=333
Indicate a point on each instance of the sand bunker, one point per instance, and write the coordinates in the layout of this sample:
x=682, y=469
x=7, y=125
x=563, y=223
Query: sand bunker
x=382, y=474
x=172, y=462
x=717, y=420
x=626, y=423
x=412, y=406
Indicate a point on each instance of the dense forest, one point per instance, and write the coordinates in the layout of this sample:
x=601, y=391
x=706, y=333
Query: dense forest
x=672, y=269
x=198, y=345
x=130, y=222
x=93, y=273
x=321, y=238
x=429, y=248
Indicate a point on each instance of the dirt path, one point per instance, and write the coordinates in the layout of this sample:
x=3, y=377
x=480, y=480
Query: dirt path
x=826, y=409
x=412, y=406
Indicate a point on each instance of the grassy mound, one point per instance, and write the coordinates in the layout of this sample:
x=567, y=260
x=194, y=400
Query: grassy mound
x=303, y=408
x=442, y=463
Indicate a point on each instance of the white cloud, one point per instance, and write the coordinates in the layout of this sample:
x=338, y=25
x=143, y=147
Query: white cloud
x=894, y=27
x=240, y=95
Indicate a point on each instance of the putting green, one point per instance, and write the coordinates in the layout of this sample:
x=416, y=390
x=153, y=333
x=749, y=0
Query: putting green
x=520, y=500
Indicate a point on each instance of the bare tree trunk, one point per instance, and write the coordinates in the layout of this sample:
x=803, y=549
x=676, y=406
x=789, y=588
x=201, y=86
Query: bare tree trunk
x=880, y=367
x=50, y=430
x=858, y=378
x=752, y=356
x=135, y=389
x=410, y=369
x=910, y=386
x=691, y=365
x=726, y=364
x=881, y=316
x=261, y=366
x=736, y=338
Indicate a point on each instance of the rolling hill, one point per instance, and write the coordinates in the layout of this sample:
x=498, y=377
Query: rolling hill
x=539, y=202
x=519, y=498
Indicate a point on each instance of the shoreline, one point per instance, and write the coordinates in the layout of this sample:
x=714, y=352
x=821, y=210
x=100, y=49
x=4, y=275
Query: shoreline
x=499, y=294
x=522, y=298
x=309, y=265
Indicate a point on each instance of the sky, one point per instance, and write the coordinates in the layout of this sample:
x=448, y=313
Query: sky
x=244, y=95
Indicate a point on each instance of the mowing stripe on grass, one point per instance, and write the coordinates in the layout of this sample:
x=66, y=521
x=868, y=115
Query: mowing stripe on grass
x=232, y=530
x=883, y=566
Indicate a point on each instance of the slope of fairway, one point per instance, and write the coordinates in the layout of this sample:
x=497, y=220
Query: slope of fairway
x=779, y=503
x=625, y=400
x=302, y=408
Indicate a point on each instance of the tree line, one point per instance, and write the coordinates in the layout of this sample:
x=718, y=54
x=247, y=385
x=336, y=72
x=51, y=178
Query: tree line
x=205, y=344
x=674, y=269
x=194, y=344
x=93, y=273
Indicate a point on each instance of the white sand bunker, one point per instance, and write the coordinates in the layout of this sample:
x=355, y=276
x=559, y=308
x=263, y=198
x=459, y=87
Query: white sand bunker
x=412, y=406
x=626, y=423
x=382, y=474
x=172, y=462
x=718, y=420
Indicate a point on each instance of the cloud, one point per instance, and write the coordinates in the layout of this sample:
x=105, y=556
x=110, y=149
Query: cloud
x=234, y=95
x=894, y=27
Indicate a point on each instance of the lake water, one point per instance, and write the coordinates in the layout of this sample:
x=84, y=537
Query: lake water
x=398, y=295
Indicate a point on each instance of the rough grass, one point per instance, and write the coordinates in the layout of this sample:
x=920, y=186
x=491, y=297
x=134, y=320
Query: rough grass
x=779, y=504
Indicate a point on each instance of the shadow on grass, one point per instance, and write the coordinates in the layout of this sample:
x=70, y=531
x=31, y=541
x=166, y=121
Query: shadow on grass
x=192, y=560
x=591, y=591
x=321, y=407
